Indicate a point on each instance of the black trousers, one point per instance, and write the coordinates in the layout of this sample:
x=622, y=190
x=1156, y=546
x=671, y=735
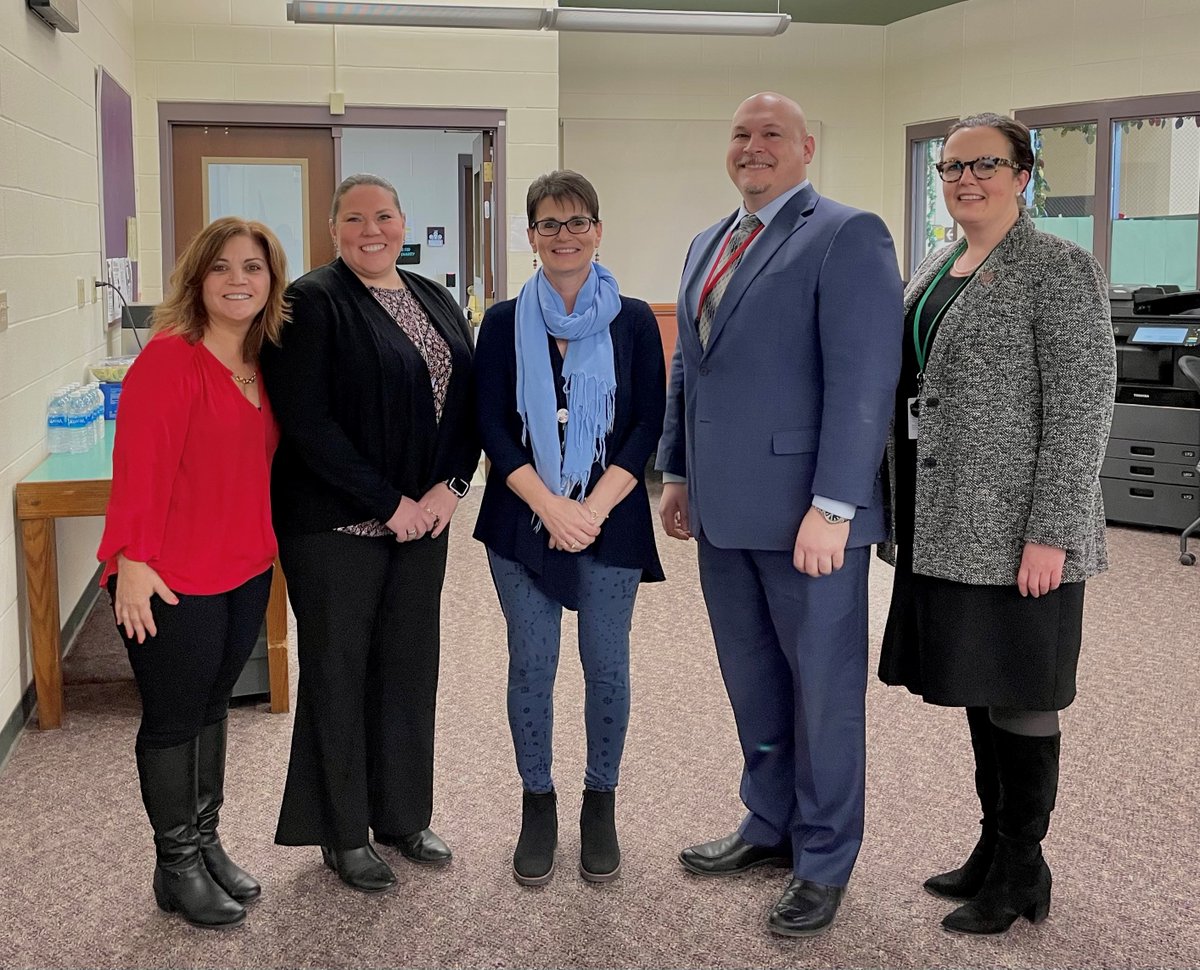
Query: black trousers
x=368, y=636
x=186, y=672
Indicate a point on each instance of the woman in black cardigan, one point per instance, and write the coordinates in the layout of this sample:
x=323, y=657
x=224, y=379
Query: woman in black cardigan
x=571, y=390
x=372, y=388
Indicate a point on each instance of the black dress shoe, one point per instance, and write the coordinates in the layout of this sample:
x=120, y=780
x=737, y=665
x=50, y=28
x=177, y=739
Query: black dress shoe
x=733, y=854
x=360, y=868
x=805, y=908
x=424, y=847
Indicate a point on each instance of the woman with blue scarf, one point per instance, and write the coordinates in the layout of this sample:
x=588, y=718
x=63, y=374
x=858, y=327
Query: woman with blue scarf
x=571, y=390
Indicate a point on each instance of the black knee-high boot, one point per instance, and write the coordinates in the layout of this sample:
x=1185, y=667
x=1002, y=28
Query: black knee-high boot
x=182, y=884
x=1018, y=883
x=965, y=881
x=210, y=773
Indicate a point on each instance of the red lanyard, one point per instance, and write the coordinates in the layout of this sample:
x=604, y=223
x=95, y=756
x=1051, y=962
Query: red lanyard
x=719, y=269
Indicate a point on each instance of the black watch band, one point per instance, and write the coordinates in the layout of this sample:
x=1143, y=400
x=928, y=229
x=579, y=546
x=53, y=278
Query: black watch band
x=459, y=486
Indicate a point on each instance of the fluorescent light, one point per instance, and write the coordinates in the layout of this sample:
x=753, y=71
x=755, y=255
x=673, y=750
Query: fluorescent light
x=668, y=21
x=417, y=15
x=538, y=18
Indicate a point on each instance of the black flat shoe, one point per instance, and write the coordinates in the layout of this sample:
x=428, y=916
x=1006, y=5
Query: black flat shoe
x=733, y=854
x=805, y=908
x=360, y=868
x=424, y=847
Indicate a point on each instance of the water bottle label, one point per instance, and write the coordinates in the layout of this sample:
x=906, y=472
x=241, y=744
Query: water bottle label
x=56, y=421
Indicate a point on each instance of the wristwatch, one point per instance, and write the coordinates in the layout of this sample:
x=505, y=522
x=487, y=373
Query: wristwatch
x=459, y=486
x=832, y=518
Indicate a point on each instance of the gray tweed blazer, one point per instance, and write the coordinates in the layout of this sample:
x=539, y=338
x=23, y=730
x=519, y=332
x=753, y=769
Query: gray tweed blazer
x=1023, y=373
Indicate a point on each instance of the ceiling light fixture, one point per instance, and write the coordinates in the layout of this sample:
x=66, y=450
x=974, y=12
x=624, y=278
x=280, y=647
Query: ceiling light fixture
x=539, y=18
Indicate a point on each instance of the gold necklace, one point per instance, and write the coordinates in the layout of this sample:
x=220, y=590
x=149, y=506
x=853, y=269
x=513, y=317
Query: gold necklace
x=244, y=381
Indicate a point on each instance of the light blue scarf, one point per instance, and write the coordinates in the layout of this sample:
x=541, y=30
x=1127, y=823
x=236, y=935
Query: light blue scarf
x=589, y=377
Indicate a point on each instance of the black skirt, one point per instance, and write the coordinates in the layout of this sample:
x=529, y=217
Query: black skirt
x=964, y=645
x=981, y=646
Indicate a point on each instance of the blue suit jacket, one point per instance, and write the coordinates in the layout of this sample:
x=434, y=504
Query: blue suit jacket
x=794, y=394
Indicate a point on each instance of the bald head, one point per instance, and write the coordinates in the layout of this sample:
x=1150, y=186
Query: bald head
x=769, y=148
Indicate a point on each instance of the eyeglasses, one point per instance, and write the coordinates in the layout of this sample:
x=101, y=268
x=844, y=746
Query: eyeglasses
x=576, y=226
x=982, y=168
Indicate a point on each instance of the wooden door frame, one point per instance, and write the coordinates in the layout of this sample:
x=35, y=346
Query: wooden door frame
x=261, y=115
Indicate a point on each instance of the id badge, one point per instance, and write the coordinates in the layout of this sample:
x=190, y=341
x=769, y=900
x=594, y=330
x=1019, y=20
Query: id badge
x=913, y=418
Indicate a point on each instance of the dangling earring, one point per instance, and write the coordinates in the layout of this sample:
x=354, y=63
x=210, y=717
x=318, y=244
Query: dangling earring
x=535, y=262
x=596, y=256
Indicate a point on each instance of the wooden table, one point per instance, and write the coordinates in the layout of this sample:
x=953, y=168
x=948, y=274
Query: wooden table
x=77, y=485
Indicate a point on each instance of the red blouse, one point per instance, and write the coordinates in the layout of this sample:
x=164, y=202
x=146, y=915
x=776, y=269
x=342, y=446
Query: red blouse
x=191, y=472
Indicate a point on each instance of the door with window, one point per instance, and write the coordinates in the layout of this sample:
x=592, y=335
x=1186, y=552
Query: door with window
x=282, y=177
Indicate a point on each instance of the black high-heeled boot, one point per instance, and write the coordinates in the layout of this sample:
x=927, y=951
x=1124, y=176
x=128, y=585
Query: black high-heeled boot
x=210, y=796
x=965, y=881
x=533, y=860
x=599, y=851
x=182, y=883
x=1019, y=881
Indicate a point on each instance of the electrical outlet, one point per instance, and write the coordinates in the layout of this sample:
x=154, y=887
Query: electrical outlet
x=91, y=289
x=3, y=310
x=80, y=292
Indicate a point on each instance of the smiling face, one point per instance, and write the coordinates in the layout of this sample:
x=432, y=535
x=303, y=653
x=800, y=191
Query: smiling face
x=369, y=231
x=236, y=287
x=769, y=149
x=565, y=255
x=980, y=204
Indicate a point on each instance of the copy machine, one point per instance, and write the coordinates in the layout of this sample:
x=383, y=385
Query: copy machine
x=1149, y=475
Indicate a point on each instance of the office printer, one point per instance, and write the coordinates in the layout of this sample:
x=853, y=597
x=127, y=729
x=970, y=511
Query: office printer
x=1149, y=474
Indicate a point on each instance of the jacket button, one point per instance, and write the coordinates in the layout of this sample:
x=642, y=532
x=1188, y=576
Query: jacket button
x=930, y=463
x=704, y=372
x=932, y=402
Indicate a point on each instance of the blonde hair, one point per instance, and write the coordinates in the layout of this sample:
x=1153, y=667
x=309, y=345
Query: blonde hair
x=183, y=313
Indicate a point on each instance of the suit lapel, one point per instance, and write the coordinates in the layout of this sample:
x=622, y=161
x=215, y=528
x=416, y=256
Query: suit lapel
x=788, y=220
x=703, y=254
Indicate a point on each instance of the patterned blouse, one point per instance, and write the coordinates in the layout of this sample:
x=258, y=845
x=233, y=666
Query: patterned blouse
x=403, y=307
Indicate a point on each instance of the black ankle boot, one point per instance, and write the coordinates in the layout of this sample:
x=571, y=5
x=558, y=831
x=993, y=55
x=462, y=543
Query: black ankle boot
x=360, y=868
x=965, y=881
x=210, y=777
x=182, y=884
x=533, y=861
x=1018, y=882
x=599, y=852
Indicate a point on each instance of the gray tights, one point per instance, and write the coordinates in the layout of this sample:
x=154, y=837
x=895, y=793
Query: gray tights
x=1034, y=724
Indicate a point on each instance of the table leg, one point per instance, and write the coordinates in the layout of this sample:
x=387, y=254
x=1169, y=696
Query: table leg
x=277, y=645
x=41, y=584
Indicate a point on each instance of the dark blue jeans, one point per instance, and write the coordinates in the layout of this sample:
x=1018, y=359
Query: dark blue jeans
x=606, y=598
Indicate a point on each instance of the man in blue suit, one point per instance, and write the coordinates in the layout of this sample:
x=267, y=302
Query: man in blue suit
x=781, y=394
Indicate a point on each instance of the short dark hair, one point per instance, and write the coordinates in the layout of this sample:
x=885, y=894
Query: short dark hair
x=1016, y=133
x=562, y=186
x=362, y=178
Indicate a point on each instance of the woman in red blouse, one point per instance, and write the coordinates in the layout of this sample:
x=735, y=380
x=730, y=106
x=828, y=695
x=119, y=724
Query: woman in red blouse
x=188, y=545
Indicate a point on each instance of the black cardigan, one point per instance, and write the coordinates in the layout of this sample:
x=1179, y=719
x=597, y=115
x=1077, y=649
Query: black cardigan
x=505, y=523
x=355, y=405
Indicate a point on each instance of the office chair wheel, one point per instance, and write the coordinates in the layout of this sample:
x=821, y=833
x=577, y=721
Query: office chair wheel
x=1187, y=559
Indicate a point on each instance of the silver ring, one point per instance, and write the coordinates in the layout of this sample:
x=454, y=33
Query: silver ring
x=574, y=546
x=411, y=532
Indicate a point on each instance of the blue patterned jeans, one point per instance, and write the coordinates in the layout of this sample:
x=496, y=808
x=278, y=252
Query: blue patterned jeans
x=534, y=620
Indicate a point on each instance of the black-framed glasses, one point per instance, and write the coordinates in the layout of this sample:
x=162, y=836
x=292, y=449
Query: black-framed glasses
x=983, y=168
x=576, y=225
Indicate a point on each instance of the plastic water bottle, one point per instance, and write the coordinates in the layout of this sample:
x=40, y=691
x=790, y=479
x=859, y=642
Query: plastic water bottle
x=56, y=422
x=95, y=414
x=76, y=422
x=100, y=429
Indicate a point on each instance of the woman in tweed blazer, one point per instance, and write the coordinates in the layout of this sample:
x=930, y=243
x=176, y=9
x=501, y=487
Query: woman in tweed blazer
x=1002, y=416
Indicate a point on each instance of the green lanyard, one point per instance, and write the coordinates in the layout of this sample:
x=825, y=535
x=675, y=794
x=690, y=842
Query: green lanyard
x=922, y=349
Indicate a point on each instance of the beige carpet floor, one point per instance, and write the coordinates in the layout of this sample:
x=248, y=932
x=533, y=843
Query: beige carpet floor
x=76, y=854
